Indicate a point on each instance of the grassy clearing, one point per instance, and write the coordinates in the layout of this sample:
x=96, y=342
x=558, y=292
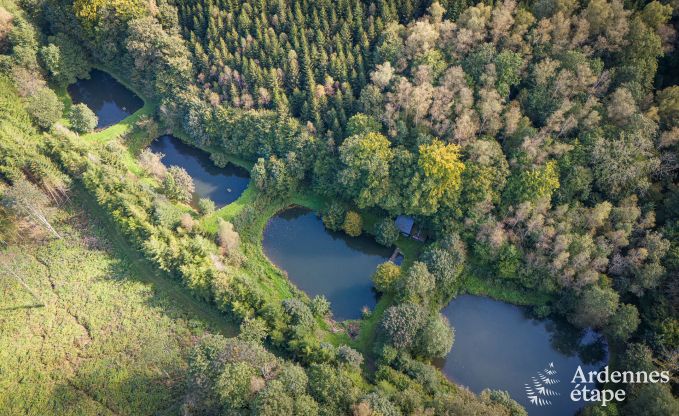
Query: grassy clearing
x=113, y=335
x=475, y=285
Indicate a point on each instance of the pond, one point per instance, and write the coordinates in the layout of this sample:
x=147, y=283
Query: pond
x=498, y=346
x=322, y=262
x=221, y=185
x=108, y=98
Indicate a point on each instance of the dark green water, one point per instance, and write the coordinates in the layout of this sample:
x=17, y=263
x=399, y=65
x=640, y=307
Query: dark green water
x=498, y=346
x=221, y=185
x=321, y=262
x=108, y=98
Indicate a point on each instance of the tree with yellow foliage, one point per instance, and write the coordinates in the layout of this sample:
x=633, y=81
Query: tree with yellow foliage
x=438, y=181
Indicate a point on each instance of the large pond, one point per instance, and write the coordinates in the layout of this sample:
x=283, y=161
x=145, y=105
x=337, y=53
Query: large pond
x=221, y=185
x=322, y=262
x=498, y=346
x=108, y=98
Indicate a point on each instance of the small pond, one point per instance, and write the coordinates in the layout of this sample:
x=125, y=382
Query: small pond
x=108, y=98
x=221, y=185
x=322, y=262
x=498, y=346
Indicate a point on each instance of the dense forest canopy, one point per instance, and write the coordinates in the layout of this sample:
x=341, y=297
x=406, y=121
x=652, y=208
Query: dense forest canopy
x=531, y=141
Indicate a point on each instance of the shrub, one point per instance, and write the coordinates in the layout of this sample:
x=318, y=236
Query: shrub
x=82, y=119
x=5, y=26
x=445, y=268
x=152, y=163
x=349, y=356
x=353, y=224
x=206, y=206
x=299, y=312
x=385, y=276
x=418, y=286
x=234, y=385
x=294, y=380
x=376, y=404
x=227, y=237
x=273, y=401
x=386, y=232
x=44, y=107
x=401, y=324
x=436, y=338
x=333, y=217
x=253, y=330
x=187, y=222
x=320, y=306
x=178, y=184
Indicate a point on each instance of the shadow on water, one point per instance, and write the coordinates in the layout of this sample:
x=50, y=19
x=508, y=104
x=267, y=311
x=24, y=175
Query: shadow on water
x=321, y=262
x=499, y=346
x=221, y=185
x=108, y=98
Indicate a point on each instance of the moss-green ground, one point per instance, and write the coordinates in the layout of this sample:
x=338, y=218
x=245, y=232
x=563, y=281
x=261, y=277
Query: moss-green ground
x=113, y=334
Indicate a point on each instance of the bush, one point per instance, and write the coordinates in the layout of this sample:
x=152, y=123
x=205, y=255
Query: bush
x=445, y=268
x=436, y=339
x=294, y=380
x=401, y=324
x=385, y=276
x=376, y=404
x=353, y=224
x=187, y=222
x=299, y=312
x=178, y=184
x=5, y=26
x=234, y=384
x=349, y=356
x=206, y=206
x=418, y=286
x=64, y=59
x=273, y=401
x=333, y=217
x=253, y=330
x=152, y=163
x=386, y=232
x=227, y=237
x=320, y=306
x=44, y=107
x=82, y=119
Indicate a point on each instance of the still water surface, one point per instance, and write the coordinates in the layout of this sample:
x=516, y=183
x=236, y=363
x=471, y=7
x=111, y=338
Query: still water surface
x=221, y=185
x=108, y=98
x=322, y=262
x=498, y=346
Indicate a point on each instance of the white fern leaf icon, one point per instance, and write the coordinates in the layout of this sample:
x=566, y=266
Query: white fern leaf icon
x=537, y=392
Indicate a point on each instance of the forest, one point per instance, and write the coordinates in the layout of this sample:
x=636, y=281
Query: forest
x=535, y=144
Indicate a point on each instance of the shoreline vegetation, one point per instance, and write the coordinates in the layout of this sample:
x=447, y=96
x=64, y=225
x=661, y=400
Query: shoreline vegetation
x=339, y=109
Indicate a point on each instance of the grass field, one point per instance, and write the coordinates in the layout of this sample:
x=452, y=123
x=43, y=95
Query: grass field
x=113, y=334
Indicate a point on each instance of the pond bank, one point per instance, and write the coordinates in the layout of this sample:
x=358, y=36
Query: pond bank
x=499, y=346
x=322, y=262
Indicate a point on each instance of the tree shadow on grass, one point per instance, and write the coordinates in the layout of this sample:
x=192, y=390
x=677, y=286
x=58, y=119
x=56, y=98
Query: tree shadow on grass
x=137, y=394
x=169, y=293
x=19, y=307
